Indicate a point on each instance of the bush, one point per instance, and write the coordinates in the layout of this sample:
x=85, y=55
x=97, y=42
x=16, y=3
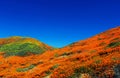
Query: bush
x=98, y=61
x=99, y=38
x=56, y=55
x=67, y=53
x=114, y=44
x=21, y=49
x=83, y=69
x=80, y=70
x=54, y=67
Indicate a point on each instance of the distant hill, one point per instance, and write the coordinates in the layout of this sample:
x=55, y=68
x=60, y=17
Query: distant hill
x=22, y=46
x=95, y=57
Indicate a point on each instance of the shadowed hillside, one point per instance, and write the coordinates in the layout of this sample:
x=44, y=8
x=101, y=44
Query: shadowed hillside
x=95, y=57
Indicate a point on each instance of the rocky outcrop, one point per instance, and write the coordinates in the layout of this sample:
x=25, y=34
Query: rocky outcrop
x=117, y=71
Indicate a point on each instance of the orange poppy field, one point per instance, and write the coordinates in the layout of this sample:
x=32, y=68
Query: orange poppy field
x=94, y=57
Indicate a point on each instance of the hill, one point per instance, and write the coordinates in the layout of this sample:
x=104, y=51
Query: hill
x=95, y=57
x=22, y=46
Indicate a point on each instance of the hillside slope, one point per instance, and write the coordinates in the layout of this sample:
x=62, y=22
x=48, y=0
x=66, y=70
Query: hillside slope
x=95, y=57
x=22, y=46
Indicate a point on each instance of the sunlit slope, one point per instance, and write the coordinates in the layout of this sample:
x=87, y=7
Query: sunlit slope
x=95, y=57
x=22, y=46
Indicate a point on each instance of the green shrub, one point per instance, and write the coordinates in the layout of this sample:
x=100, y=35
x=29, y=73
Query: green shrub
x=114, y=44
x=80, y=70
x=64, y=54
x=83, y=69
x=54, y=67
x=115, y=58
x=98, y=61
x=56, y=55
x=99, y=38
x=48, y=72
x=25, y=69
x=21, y=49
x=67, y=53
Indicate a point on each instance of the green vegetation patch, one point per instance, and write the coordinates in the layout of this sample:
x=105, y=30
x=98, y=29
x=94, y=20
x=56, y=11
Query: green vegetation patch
x=114, y=44
x=81, y=70
x=98, y=61
x=25, y=69
x=67, y=53
x=56, y=55
x=54, y=67
x=21, y=49
x=115, y=58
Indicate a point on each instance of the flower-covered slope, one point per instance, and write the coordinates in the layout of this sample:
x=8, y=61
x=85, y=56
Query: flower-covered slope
x=22, y=46
x=95, y=57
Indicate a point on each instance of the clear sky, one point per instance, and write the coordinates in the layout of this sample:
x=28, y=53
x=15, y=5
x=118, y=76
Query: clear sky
x=57, y=22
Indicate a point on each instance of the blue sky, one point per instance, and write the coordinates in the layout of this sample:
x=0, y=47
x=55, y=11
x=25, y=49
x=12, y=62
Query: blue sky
x=57, y=22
